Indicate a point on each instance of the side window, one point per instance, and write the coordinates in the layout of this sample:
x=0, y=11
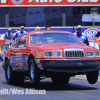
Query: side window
x=15, y=43
x=22, y=41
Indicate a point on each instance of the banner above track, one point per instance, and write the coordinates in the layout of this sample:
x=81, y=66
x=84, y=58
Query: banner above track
x=14, y=3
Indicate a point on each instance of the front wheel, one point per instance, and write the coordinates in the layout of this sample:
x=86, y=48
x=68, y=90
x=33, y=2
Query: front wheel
x=34, y=73
x=92, y=76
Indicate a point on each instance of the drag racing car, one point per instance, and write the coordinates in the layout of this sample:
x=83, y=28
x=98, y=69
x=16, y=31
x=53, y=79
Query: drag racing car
x=55, y=54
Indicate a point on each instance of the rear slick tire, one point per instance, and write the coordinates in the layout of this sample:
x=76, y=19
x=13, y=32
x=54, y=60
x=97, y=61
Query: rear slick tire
x=11, y=76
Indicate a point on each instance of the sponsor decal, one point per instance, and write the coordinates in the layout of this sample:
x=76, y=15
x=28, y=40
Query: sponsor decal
x=14, y=64
x=90, y=33
x=17, y=59
x=26, y=68
x=15, y=68
x=11, y=64
x=38, y=54
x=18, y=55
x=18, y=68
x=21, y=68
x=19, y=64
x=24, y=63
x=40, y=66
x=37, y=61
x=17, y=1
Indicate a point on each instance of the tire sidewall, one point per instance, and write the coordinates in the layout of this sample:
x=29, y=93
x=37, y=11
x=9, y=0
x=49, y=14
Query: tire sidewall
x=36, y=78
x=6, y=76
x=31, y=62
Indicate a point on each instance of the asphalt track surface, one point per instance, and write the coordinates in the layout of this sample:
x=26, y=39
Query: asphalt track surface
x=77, y=89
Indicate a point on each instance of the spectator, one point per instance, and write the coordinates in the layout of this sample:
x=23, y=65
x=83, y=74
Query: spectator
x=14, y=34
x=81, y=36
x=8, y=35
x=37, y=29
x=47, y=28
x=20, y=32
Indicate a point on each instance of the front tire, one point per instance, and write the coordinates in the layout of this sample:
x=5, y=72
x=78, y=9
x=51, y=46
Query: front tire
x=34, y=73
x=92, y=76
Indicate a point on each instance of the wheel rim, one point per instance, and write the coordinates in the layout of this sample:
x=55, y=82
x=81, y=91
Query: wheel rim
x=32, y=71
x=8, y=72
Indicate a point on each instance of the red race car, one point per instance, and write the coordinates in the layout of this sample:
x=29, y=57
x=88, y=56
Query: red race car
x=56, y=54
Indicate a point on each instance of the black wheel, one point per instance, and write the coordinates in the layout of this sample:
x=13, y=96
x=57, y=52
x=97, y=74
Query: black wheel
x=60, y=78
x=92, y=76
x=11, y=76
x=34, y=73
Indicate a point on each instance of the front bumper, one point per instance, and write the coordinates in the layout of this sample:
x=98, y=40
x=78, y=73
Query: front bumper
x=68, y=65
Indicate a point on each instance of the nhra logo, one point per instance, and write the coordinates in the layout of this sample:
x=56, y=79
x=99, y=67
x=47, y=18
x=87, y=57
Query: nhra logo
x=90, y=33
x=17, y=1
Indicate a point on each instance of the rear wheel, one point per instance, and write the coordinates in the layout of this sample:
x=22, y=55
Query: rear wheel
x=92, y=76
x=11, y=76
x=34, y=73
x=60, y=78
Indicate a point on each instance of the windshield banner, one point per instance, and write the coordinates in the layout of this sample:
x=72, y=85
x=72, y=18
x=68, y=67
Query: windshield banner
x=50, y=2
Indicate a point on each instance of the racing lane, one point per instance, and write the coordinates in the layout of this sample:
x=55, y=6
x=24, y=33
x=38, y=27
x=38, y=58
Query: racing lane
x=77, y=89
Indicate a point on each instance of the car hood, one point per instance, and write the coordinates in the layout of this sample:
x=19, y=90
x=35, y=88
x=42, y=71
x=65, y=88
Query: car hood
x=53, y=46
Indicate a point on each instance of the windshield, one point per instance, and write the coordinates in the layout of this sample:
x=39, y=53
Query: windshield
x=53, y=38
